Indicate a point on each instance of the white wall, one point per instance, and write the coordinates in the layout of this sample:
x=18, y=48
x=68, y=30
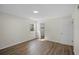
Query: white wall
x=76, y=31
x=59, y=30
x=14, y=30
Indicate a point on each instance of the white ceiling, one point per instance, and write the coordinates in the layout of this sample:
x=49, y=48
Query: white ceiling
x=45, y=10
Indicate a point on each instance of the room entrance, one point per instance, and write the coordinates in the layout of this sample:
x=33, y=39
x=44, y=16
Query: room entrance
x=40, y=29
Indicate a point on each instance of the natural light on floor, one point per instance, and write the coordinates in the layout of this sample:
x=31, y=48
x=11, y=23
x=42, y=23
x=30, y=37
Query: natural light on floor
x=42, y=39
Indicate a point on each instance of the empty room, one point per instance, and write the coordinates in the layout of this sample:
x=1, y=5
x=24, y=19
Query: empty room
x=39, y=29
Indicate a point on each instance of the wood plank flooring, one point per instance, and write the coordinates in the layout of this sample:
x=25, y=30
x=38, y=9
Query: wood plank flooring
x=36, y=47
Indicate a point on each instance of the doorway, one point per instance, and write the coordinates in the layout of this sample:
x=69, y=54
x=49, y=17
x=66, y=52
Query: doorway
x=42, y=30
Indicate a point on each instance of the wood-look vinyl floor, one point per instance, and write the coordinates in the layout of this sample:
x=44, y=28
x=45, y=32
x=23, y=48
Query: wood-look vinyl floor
x=36, y=47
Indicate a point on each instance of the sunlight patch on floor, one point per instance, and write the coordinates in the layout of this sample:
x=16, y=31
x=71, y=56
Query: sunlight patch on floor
x=42, y=39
